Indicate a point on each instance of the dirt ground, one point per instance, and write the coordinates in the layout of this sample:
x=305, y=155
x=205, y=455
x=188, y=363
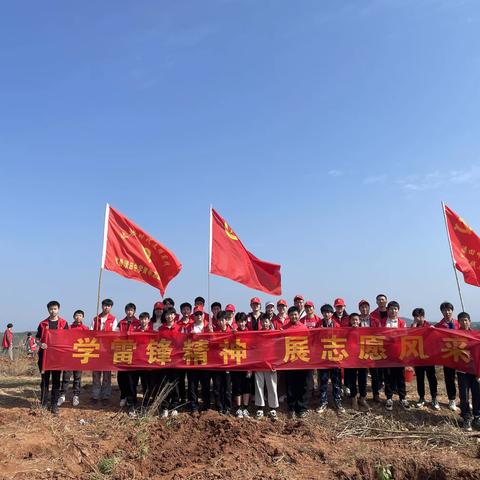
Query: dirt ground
x=104, y=443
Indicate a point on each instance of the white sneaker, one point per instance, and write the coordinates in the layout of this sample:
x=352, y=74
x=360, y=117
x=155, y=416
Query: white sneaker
x=346, y=391
x=404, y=403
x=259, y=414
x=435, y=404
x=239, y=413
x=61, y=400
x=164, y=413
x=420, y=403
x=76, y=401
x=246, y=413
x=273, y=414
x=174, y=413
x=123, y=402
x=452, y=406
x=389, y=405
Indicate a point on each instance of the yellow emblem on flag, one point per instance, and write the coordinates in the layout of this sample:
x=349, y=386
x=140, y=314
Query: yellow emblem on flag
x=229, y=232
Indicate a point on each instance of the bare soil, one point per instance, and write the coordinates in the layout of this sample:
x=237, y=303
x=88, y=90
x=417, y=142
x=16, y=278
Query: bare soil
x=104, y=443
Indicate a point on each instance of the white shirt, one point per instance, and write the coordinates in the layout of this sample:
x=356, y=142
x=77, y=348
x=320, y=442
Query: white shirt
x=156, y=325
x=198, y=328
x=102, y=323
x=392, y=323
x=365, y=322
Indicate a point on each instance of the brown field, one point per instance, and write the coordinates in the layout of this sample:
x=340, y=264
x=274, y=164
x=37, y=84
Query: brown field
x=104, y=443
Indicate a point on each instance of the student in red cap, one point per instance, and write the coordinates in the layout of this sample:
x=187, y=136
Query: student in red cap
x=299, y=302
x=230, y=313
x=395, y=376
x=77, y=323
x=280, y=320
x=184, y=325
x=200, y=302
x=157, y=316
x=449, y=321
x=297, y=386
x=102, y=381
x=310, y=320
x=341, y=316
x=255, y=314
x=52, y=322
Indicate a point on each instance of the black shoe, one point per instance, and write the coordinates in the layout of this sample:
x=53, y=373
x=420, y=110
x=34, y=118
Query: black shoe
x=467, y=424
x=105, y=402
x=302, y=414
x=54, y=409
x=94, y=401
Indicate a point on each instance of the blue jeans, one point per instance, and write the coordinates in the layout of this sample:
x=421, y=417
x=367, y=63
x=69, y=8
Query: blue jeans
x=334, y=375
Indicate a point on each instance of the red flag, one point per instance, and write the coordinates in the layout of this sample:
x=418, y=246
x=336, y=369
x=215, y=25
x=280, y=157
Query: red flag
x=133, y=253
x=465, y=247
x=230, y=259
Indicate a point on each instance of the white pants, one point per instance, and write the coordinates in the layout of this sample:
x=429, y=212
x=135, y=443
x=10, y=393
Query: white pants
x=269, y=379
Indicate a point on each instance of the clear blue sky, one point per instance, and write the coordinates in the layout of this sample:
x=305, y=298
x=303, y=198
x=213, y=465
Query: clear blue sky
x=326, y=133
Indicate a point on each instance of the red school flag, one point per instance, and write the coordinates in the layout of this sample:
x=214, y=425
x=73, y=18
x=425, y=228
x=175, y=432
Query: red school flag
x=465, y=245
x=131, y=252
x=230, y=259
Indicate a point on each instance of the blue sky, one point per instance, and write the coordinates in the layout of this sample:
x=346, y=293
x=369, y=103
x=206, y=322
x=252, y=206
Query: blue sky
x=326, y=133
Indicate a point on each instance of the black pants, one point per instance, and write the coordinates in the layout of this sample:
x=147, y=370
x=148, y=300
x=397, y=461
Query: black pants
x=196, y=377
x=449, y=374
x=123, y=384
x=182, y=389
x=45, y=383
x=132, y=379
x=335, y=376
x=395, y=381
x=378, y=378
x=432, y=380
x=468, y=383
x=354, y=376
x=240, y=383
x=221, y=381
x=77, y=379
x=297, y=390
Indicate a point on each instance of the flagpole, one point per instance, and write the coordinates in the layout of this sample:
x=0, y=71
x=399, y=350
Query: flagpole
x=104, y=251
x=209, y=265
x=451, y=254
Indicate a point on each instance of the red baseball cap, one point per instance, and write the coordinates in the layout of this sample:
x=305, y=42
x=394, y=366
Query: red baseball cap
x=339, y=302
x=198, y=308
x=158, y=306
x=363, y=302
x=255, y=300
x=282, y=302
x=309, y=304
x=230, y=308
x=298, y=297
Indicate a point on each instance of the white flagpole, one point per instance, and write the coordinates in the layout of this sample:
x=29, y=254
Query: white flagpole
x=453, y=259
x=209, y=266
x=104, y=251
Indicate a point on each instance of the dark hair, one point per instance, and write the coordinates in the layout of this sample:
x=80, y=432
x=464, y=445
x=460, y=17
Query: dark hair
x=463, y=315
x=215, y=304
x=81, y=312
x=292, y=310
x=169, y=311
x=144, y=315
x=327, y=308
x=107, y=303
x=29, y=334
x=380, y=295
x=393, y=304
x=53, y=303
x=354, y=314
x=185, y=304
x=10, y=325
x=418, y=312
x=222, y=315
x=446, y=306
x=199, y=299
x=169, y=300
x=130, y=305
x=241, y=316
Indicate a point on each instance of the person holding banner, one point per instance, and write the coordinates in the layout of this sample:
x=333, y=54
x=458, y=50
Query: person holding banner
x=241, y=379
x=105, y=322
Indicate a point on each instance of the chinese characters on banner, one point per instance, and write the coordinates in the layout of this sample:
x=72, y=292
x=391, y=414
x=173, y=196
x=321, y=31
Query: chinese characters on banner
x=316, y=348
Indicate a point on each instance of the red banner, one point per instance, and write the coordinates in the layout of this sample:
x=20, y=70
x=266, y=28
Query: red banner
x=133, y=253
x=281, y=350
x=465, y=247
x=230, y=259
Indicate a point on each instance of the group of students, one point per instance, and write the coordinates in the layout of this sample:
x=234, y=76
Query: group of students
x=232, y=391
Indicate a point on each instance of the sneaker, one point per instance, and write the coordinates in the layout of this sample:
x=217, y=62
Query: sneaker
x=61, y=400
x=54, y=409
x=362, y=403
x=467, y=424
x=246, y=413
x=273, y=414
x=404, y=403
x=339, y=407
x=302, y=414
x=164, y=413
x=435, y=404
x=321, y=408
x=76, y=401
x=105, y=402
x=389, y=405
x=346, y=391
x=239, y=413
x=420, y=403
x=354, y=403
x=259, y=414
x=132, y=413
x=174, y=412
x=452, y=406
x=476, y=422
x=123, y=402
x=376, y=398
